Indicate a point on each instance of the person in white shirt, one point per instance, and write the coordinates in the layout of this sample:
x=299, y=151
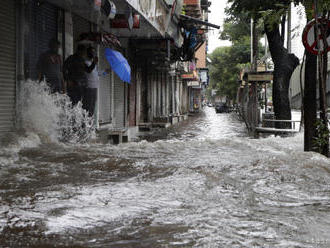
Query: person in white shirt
x=93, y=83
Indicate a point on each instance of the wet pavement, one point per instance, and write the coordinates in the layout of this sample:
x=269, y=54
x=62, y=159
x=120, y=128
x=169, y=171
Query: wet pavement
x=204, y=183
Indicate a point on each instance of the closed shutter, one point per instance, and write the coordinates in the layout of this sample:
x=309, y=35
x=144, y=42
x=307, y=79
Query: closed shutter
x=80, y=25
x=154, y=84
x=159, y=90
x=42, y=28
x=119, y=102
x=104, y=91
x=7, y=65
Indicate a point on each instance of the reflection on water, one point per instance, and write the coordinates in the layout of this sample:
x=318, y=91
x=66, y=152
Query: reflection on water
x=202, y=184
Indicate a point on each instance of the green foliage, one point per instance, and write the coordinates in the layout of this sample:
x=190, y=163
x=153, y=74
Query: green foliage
x=255, y=7
x=236, y=27
x=322, y=135
x=273, y=9
x=227, y=62
x=226, y=65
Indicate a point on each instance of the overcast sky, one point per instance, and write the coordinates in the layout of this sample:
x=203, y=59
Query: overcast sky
x=216, y=16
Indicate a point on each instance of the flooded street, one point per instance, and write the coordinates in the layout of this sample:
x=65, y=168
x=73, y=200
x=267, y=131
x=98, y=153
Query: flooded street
x=205, y=184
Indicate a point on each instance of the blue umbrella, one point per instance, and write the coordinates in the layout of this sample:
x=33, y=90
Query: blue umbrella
x=118, y=64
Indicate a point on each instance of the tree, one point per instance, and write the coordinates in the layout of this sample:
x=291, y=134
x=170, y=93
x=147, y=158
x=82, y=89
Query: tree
x=271, y=12
x=226, y=65
x=227, y=62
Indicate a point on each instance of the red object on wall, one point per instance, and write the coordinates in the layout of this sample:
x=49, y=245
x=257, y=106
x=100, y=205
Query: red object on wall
x=121, y=21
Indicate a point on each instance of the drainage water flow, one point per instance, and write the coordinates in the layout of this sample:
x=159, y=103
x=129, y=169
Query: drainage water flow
x=208, y=185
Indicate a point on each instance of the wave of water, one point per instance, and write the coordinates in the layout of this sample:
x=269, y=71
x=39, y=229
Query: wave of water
x=52, y=116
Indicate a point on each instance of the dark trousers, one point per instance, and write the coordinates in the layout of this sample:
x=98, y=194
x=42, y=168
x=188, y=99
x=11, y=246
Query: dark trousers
x=75, y=93
x=89, y=100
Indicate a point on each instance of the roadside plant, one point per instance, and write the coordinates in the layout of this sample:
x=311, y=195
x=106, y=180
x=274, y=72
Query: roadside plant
x=322, y=135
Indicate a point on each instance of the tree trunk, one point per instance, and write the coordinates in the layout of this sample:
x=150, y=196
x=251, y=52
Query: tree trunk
x=310, y=107
x=284, y=65
x=255, y=45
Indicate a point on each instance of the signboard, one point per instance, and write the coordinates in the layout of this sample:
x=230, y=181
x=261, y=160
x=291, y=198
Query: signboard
x=260, y=77
x=193, y=83
x=203, y=75
x=191, y=76
x=309, y=37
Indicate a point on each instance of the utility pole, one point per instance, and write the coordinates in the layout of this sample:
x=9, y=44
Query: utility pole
x=322, y=74
x=289, y=30
x=253, y=99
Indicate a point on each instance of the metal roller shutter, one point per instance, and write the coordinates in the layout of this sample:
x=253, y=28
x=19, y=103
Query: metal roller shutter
x=153, y=95
x=119, y=102
x=80, y=25
x=7, y=66
x=149, y=94
x=42, y=28
x=104, y=91
x=159, y=94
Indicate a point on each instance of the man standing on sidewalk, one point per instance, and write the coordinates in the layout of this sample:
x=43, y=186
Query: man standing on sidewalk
x=49, y=67
x=76, y=71
x=93, y=83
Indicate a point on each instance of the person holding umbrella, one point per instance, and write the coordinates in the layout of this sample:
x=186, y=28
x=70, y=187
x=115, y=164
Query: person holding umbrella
x=93, y=82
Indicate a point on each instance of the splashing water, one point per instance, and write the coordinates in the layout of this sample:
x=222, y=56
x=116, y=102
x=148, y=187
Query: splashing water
x=52, y=116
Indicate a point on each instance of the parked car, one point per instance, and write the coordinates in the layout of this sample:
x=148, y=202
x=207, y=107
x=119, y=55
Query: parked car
x=221, y=108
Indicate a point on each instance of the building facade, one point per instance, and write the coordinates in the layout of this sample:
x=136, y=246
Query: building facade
x=151, y=38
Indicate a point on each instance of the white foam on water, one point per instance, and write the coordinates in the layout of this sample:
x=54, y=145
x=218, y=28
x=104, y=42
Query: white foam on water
x=52, y=116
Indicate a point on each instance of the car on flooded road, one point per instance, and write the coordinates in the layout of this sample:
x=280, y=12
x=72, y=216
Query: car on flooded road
x=222, y=108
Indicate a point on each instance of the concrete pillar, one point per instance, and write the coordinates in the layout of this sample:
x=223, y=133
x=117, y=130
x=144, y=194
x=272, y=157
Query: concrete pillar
x=150, y=96
x=138, y=95
x=167, y=105
x=68, y=36
x=159, y=94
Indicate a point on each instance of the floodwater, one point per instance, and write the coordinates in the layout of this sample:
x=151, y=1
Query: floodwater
x=203, y=184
